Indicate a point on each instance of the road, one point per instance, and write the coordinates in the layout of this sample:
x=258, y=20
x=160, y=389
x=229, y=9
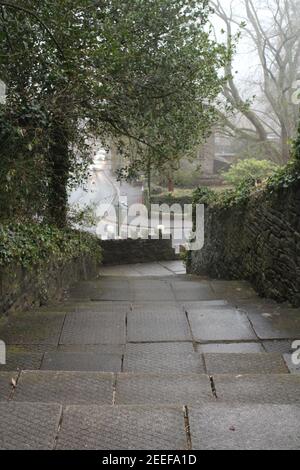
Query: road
x=112, y=200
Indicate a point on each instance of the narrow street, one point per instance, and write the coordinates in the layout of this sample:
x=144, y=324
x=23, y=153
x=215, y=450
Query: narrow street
x=148, y=357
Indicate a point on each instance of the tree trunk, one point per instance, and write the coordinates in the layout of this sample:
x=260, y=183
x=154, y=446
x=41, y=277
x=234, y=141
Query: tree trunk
x=59, y=167
x=285, y=149
x=171, y=185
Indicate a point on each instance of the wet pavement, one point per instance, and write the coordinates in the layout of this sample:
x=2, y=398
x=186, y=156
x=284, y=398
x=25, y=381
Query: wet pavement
x=147, y=357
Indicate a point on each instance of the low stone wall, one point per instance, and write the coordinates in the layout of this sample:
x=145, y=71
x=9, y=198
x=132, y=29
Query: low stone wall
x=116, y=252
x=22, y=288
x=258, y=241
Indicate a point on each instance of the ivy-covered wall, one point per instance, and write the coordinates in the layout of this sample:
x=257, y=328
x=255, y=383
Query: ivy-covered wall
x=38, y=263
x=255, y=237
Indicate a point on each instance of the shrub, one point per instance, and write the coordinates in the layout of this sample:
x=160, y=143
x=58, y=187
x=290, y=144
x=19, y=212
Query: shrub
x=251, y=168
x=32, y=244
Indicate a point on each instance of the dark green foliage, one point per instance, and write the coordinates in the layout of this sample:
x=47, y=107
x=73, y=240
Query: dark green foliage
x=32, y=244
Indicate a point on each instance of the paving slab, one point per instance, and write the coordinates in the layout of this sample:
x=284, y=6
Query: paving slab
x=176, y=267
x=249, y=363
x=188, y=363
x=279, y=325
x=277, y=389
x=82, y=361
x=147, y=389
x=107, y=307
x=117, y=349
x=92, y=328
x=279, y=346
x=205, y=304
x=45, y=328
x=193, y=290
x=112, y=289
x=229, y=348
x=28, y=426
x=31, y=348
x=157, y=307
x=233, y=290
x=122, y=428
x=216, y=327
x=22, y=361
x=154, y=326
x=152, y=290
x=65, y=387
x=159, y=348
x=251, y=427
x=6, y=388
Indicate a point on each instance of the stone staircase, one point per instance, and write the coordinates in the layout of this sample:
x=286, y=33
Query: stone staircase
x=169, y=363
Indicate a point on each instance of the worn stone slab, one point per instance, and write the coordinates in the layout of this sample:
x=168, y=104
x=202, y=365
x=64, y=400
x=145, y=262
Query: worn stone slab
x=191, y=363
x=31, y=348
x=106, y=307
x=159, y=348
x=145, y=389
x=277, y=389
x=153, y=326
x=82, y=361
x=205, y=304
x=247, y=427
x=292, y=364
x=44, y=328
x=249, y=363
x=122, y=428
x=105, y=289
x=192, y=291
x=112, y=289
x=216, y=327
x=65, y=387
x=279, y=346
x=229, y=348
x=92, y=328
x=28, y=426
x=115, y=349
x=157, y=307
x=152, y=290
x=233, y=289
x=279, y=325
x=6, y=388
x=22, y=361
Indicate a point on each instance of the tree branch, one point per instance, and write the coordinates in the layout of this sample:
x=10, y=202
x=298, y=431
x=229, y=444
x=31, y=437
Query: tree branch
x=38, y=19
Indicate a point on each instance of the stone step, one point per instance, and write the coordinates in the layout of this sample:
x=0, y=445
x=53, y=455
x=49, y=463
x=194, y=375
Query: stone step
x=40, y=426
x=94, y=388
x=177, y=357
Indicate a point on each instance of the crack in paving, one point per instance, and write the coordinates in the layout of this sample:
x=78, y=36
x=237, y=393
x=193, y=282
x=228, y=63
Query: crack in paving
x=187, y=428
x=59, y=428
x=14, y=386
x=213, y=387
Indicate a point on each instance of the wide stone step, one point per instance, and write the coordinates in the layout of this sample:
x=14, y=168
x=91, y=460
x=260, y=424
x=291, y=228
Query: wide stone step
x=171, y=357
x=40, y=426
x=93, y=388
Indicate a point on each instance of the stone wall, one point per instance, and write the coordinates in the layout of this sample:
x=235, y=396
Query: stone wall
x=116, y=252
x=258, y=241
x=22, y=288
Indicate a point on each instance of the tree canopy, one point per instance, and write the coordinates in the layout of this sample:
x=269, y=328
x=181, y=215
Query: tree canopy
x=142, y=73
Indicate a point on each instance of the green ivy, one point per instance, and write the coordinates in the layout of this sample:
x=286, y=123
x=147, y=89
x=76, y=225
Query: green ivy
x=32, y=244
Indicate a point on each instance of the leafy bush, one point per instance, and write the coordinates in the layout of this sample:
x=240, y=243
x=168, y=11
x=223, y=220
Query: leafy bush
x=249, y=169
x=204, y=195
x=31, y=244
